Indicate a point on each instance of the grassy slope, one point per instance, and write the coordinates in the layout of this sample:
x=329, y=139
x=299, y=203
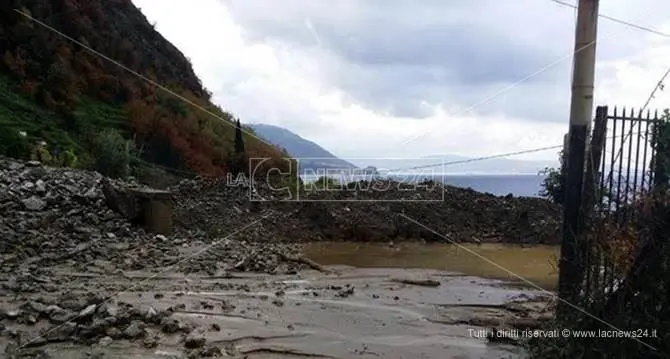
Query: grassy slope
x=18, y=113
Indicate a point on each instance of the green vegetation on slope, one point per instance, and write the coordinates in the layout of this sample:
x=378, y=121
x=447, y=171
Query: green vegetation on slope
x=60, y=92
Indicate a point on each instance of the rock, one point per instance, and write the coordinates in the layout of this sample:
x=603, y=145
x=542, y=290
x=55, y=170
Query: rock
x=105, y=341
x=99, y=325
x=38, y=308
x=150, y=342
x=151, y=314
x=194, y=342
x=61, y=315
x=61, y=332
x=40, y=187
x=134, y=330
x=215, y=327
x=11, y=314
x=114, y=333
x=170, y=325
x=52, y=308
x=111, y=310
x=345, y=292
x=88, y=311
x=34, y=204
x=210, y=352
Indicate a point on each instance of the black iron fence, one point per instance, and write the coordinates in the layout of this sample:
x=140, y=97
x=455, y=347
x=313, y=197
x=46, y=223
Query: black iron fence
x=626, y=222
x=618, y=180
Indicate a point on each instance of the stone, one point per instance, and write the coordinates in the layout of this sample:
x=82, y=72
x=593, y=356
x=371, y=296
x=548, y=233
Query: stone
x=194, y=342
x=105, y=341
x=12, y=314
x=61, y=316
x=150, y=342
x=40, y=187
x=88, y=311
x=170, y=325
x=34, y=204
x=211, y=351
x=38, y=308
x=134, y=330
x=151, y=314
x=114, y=332
x=215, y=327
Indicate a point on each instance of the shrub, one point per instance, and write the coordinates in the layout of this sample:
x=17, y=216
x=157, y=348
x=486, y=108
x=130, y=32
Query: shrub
x=68, y=159
x=552, y=187
x=112, y=154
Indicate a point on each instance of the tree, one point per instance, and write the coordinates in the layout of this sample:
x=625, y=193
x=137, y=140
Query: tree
x=239, y=156
x=552, y=187
x=239, y=141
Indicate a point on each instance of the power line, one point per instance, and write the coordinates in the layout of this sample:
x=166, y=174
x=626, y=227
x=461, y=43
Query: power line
x=619, y=21
x=477, y=159
x=450, y=163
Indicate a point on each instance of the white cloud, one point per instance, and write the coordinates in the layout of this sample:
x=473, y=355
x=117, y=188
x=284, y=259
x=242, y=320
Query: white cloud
x=285, y=84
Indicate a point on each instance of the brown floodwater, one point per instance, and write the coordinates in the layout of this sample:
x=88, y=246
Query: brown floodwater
x=536, y=263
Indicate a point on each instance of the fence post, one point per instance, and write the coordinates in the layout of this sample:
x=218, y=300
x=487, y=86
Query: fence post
x=594, y=158
x=592, y=192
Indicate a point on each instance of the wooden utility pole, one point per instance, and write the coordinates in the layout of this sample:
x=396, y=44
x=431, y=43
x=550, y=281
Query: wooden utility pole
x=571, y=266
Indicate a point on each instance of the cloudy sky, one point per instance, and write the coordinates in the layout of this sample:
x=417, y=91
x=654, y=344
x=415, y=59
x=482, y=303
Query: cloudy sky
x=405, y=78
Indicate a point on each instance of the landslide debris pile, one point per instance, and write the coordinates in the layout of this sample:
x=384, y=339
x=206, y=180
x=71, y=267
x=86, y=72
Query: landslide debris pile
x=379, y=211
x=430, y=212
x=52, y=216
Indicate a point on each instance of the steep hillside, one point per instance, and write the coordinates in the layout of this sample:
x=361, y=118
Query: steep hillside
x=310, y=154
x=57, y=90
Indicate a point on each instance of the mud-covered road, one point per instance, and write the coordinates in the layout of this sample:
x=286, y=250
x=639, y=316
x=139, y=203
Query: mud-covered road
x=350, y=313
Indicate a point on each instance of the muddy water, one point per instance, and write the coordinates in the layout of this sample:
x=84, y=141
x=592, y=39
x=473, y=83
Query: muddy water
x=537, y=263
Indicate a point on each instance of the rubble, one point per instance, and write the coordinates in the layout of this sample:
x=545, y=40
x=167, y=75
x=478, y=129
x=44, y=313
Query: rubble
x=387, y=211
x=56, y=223
x=54, y=216
x=94, y=323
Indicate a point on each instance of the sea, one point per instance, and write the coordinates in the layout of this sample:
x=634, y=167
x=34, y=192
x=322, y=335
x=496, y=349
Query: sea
x=499, y=185
x=519, y=185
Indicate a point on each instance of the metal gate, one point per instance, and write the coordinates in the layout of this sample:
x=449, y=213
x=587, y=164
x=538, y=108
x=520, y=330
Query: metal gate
x=622, y=171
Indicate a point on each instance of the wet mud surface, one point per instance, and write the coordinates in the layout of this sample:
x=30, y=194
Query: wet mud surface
x=351, y=313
